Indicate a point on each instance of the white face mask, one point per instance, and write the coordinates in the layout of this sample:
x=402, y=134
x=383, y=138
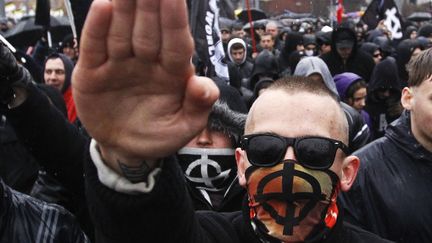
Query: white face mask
x=309, y=53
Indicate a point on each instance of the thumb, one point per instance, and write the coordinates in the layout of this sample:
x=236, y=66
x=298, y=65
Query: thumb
x=200, y=95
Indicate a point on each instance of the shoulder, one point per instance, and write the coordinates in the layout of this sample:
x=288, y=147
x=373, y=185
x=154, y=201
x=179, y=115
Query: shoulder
x=353, y=234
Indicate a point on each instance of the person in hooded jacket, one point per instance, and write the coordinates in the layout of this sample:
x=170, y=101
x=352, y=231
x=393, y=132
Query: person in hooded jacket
x=293, y=42
x=237, y=54
x=208, y=161
x=346, y=57
x=266, y=65
x=391, y=196
x=373, y=50
x=352, y=90
x=57, y=73
x=359, y=133
x=383, y=98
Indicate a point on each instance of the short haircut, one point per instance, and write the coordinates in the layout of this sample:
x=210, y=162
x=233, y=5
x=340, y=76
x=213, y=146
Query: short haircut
x=299, y=83
x=237, y=46
x=268, y=34
x=420, y=68
x=356, y=85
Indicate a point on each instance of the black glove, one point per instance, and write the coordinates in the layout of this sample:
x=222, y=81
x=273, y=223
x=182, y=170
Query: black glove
x=12, y=75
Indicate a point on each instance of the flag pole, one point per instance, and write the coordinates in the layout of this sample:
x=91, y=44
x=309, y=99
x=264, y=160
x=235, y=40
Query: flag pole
x=252, y=31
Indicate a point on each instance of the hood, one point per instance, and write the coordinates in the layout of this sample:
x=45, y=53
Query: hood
x=404, y=51
x=369, y=48
x=385, y=75
x=400, y=133
x=236, y=41
x=343, y=34
x=311, y=65
x=265, y=64
x=343, y=82
x=293, y=39
x=68, y=65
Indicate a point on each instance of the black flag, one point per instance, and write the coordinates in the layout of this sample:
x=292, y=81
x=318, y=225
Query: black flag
x=384, y=10
x=204, y=22
x=43, y=13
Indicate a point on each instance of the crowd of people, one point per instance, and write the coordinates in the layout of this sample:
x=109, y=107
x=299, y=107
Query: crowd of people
x=320, y=135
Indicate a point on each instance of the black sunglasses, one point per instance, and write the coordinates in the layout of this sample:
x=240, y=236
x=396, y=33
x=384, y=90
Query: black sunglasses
x=267, y=150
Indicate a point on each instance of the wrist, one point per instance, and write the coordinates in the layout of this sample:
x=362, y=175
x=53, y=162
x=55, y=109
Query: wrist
x=134, y=169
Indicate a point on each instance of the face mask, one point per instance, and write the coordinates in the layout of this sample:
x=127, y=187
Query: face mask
x=208, y=169
x=309, y=53
x=291, y=203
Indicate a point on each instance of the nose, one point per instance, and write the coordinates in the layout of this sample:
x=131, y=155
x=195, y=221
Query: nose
x=204, y=139
x=363, y=103
x=290, y=154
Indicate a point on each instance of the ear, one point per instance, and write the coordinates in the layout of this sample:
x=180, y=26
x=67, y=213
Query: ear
x=407, y=98
x=350, y=166
x=242, y=164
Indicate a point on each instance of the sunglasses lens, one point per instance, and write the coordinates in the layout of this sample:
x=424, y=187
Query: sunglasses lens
x=315, y=153
x=265, y=150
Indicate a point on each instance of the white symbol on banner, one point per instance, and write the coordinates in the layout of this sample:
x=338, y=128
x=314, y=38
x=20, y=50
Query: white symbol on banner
x=393, y=23
x=204, y=163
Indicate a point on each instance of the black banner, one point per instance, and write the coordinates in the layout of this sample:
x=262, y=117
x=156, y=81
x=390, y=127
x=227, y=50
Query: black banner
x=43, y=13
x=384, y=10
x=204, y=22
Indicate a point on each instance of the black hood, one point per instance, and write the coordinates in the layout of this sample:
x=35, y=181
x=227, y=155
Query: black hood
x=68, y=65
x=343, y=33
x=265, y=64
x=404, y=51
x=385, y=75
x=369, y=48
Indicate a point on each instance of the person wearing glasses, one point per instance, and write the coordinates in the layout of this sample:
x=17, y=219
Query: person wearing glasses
x=391, y=196
x=293, y=160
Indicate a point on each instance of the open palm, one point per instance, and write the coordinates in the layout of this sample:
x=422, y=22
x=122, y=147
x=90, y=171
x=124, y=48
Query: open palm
x=134, y=84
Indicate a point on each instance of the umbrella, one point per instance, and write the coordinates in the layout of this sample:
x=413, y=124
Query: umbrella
x=420, y=16
x=256, y=15
x=27, y=33
x=24, y=33
x=257, y=24
x=60, y=27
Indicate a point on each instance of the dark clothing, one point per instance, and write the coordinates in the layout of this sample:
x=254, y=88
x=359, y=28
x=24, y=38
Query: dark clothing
x=231, y=202
x=18, y=168
x=383, y=111
x=359, y=62
x=391, y=195
x=56, y=144
x=24, y=219
x=266, y=65
x=166, y=215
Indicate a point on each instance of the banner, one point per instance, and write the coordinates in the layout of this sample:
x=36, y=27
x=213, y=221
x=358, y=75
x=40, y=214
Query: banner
x=43, y=13
x=204, y=22
x=384, y=10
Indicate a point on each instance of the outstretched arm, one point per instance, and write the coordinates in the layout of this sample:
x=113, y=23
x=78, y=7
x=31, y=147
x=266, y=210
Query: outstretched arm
x=134, y=84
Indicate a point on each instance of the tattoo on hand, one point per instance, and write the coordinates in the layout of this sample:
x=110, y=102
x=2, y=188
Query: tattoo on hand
x=135, y=174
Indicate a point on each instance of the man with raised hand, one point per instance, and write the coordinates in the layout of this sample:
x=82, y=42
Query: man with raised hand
x=137, y=95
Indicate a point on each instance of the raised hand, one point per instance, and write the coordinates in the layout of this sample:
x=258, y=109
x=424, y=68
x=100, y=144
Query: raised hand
x=134, y=84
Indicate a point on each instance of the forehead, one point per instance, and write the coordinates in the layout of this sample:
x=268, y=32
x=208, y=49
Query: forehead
x=55, y=63
x=295, y=115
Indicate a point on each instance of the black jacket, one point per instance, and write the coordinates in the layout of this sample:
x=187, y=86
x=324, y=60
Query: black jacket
x=24, y=219
x=359, y=62
x=166, y=215
x=392, y=194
